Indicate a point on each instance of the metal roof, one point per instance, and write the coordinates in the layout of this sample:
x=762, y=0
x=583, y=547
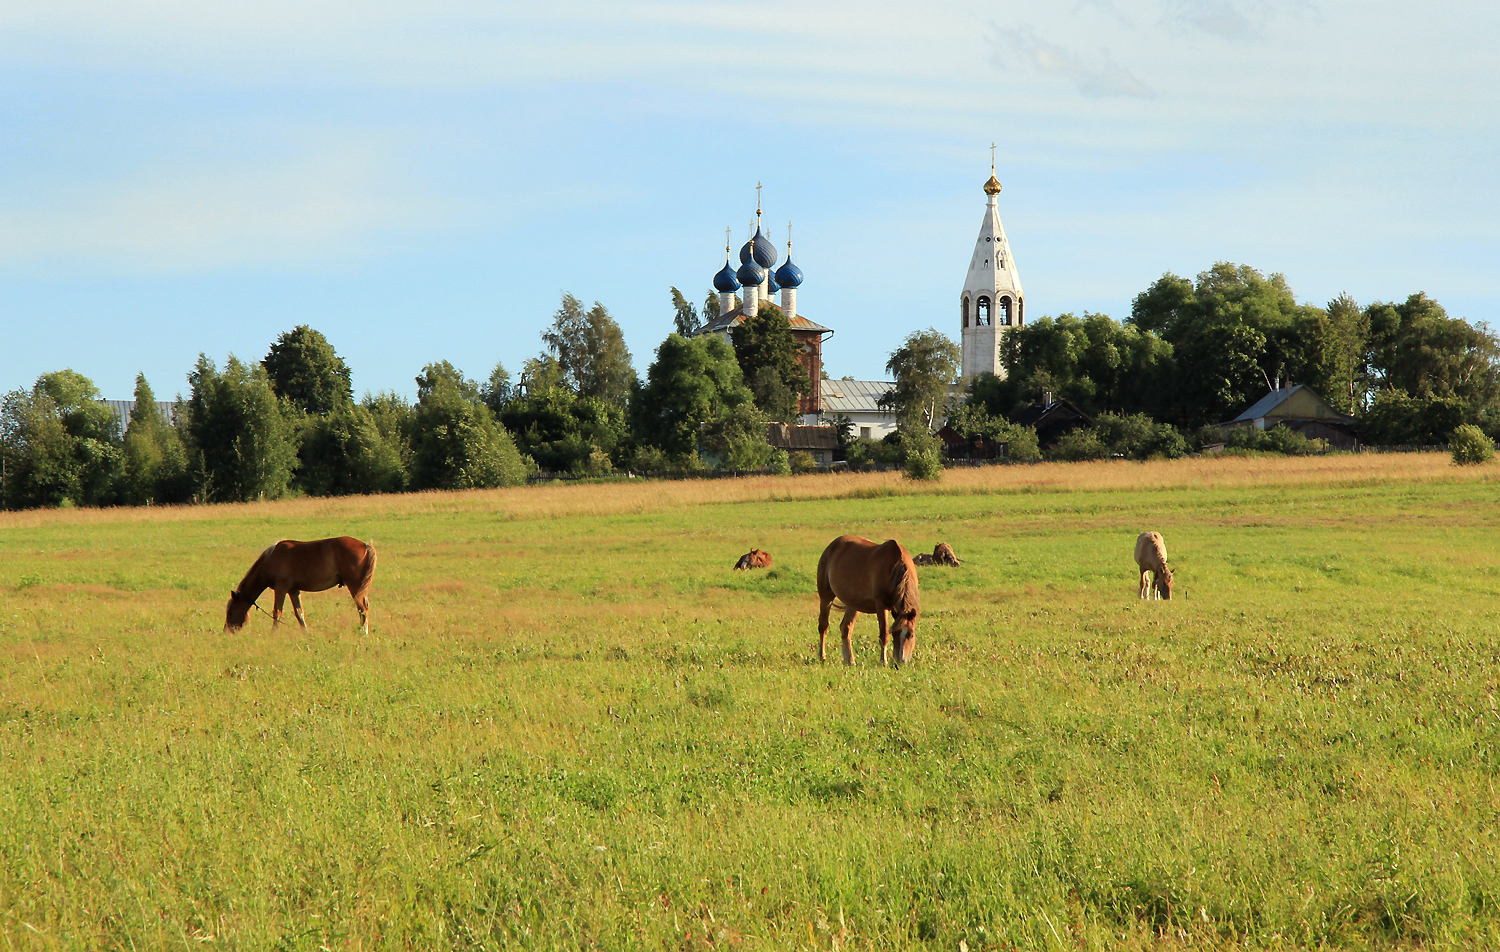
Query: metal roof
x=854, y=396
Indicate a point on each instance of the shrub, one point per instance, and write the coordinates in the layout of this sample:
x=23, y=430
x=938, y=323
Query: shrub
x=802, y=462
x=1078, y=445
x=1137, y=436
x=1279, y=439
x=860, y=453
x=1470, y=446
x=781, y=463
x=921, y=458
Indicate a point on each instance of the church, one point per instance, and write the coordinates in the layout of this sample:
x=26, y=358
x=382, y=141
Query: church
x=990, y=303
x=759, y=279
x=992, y=300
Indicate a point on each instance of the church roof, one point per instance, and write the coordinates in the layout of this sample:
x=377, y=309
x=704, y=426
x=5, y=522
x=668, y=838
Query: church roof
x=724, y=322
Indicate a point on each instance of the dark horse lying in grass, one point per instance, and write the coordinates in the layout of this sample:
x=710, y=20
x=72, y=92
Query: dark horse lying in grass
x=291, y=568
x=862, y=576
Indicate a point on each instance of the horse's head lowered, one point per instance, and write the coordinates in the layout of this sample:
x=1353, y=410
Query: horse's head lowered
x=237, y=611
x=1164, y=583
x=905, y=608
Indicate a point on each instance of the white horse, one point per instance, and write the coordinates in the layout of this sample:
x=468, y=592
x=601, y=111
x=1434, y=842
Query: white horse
x=1151, y=556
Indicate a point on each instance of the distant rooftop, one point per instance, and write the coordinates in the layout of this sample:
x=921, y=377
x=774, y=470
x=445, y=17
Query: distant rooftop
x=854, y=396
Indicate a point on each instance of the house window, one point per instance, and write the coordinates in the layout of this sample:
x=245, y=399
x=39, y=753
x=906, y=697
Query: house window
x=818, y=458
x=864, y=433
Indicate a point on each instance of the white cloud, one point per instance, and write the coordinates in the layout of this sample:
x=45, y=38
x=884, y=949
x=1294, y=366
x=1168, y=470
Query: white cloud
x=335, y=200
x=1218, y=17
x=1098, y=75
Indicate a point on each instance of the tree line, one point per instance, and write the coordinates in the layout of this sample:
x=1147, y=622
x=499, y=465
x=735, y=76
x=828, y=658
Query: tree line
x=289, y=423
x=1193, y=354
x=1190, y=355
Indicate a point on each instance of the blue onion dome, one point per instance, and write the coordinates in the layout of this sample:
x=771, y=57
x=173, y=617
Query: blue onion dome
x=771, y=286
x=789, y=275
x=758, y=249
x=750, y=275
x=725, y=282
x=765, y=251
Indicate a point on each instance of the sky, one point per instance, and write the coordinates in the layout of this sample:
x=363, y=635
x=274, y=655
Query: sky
x=422, y=181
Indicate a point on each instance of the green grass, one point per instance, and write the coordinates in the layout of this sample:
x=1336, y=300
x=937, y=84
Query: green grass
x=570, y=729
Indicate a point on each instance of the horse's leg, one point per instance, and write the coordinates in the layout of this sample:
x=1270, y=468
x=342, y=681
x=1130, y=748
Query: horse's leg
x=880, y=615
x=276, y=608
x=845, y=627
x=297, y=609
x=362, y=604
x=823, y=630
x=1143, y=584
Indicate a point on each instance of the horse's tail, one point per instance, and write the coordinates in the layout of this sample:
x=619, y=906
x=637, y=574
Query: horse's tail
x=366, y=571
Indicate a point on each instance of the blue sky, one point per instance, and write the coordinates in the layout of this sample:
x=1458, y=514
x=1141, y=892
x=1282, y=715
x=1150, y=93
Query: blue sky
x=422, y=181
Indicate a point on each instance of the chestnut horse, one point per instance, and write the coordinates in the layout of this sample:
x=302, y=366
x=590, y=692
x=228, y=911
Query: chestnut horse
x=863, y=576
x=291, y=568
x=754, y=559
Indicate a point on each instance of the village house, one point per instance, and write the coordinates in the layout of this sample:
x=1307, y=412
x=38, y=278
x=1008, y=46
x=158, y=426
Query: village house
x=1299, y=408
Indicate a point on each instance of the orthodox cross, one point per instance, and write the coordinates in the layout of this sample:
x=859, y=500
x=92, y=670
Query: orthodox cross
x=992, y=158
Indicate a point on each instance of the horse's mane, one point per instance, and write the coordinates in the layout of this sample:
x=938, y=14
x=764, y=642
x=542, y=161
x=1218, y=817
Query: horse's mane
x=904, y=581
x=251, y=577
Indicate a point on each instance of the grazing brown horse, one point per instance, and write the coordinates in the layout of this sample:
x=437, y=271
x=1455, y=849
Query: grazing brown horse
x=754, y=559
x=291, y=568
x=863, y=576
x=1151, y=558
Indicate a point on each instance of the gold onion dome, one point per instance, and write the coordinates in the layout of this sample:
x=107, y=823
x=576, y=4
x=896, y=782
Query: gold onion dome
x=992, y=187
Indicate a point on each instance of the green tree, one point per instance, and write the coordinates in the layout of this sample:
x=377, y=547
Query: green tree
x=1348, y=383
x=767, y=354
x=564, y=432
x=924, y=366
x=304, y=369
x=1396, y=418
x=1417, y=348
x=736, y=438
x=155, y=461
x=590, y=350
x=242, y=445
x=440, y=374
x=458, y=444
x=1232, y=333
x=711, y=306
x=60, y=444
x=345, y=453
x=1094, y=361
x=685, y=318
x=692, y=382
x=497, y=391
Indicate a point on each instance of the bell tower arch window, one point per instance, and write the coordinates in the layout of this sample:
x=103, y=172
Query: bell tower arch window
x=966, y=310
x=1004, y=315
x=982, y=312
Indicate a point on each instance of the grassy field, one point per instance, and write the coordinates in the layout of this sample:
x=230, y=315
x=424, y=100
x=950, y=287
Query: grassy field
x=572, y=725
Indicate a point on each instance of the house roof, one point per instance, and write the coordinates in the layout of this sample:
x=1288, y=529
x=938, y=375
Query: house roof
x=854, y=396
x=1040, y=415
x=1291, y=403
x=787, y=436
x=724, y=322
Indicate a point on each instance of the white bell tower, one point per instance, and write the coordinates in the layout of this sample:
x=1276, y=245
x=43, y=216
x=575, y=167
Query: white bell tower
x=992, y=301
